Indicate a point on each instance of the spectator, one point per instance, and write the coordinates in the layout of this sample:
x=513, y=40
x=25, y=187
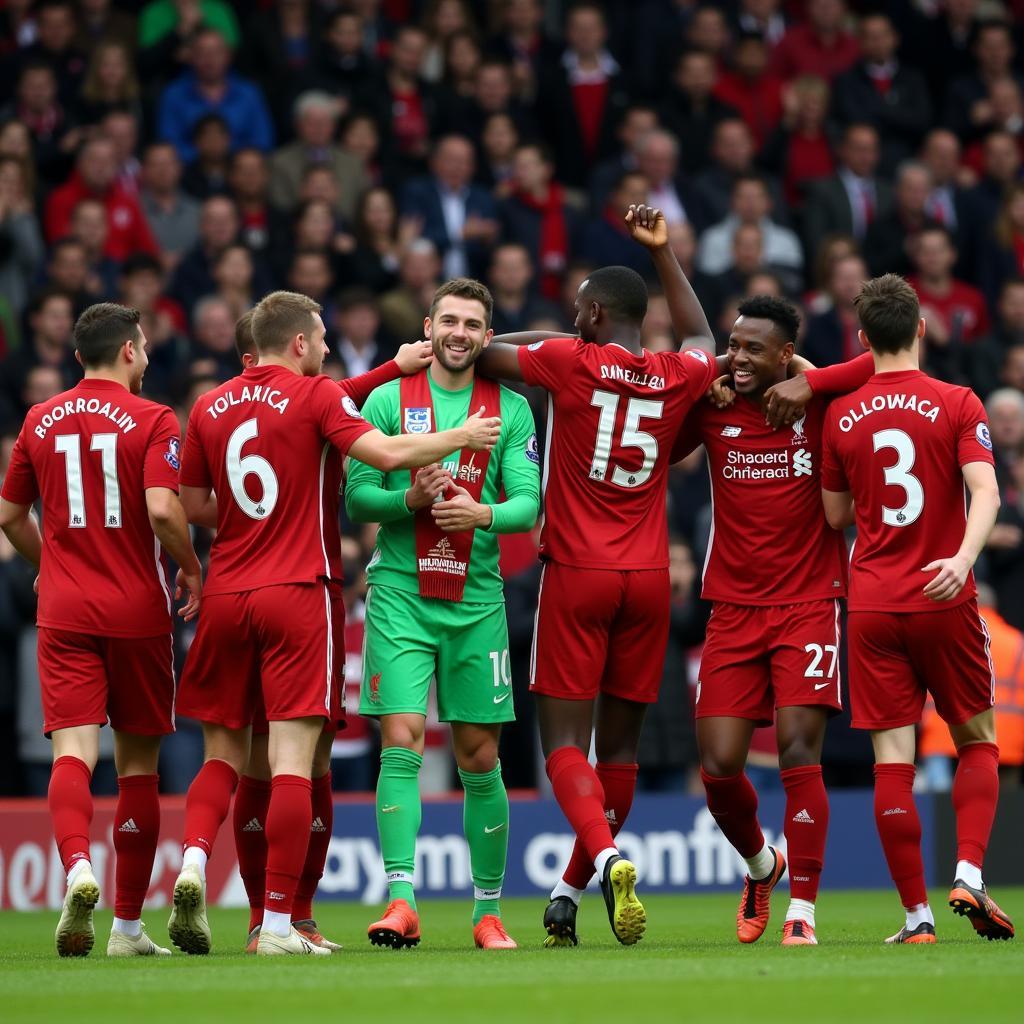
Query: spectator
x=173, y=216
x=121, y=127
x=360, y=136
x=233, y=277
x=89, y=226
x=218, y=228
x=68, y=270
x=207, y=174
x=213, y=336
x=847, y=202
x=821, y=46
x=360, y=346
x=316, y=122
x=658, y=161
x=947, y=201
x=991, y=357
x=98, y=22
x=402, y=309
x=1002, y=254
x=492, y=93
x=53, y=132
x=515, y=302
x=751, y=205
x=884, y=92
x=800, y=150
x=832, y=333
x=315, y=229
x=95, y=177
x=499, y=142
x=968, y=106
x=456, y=215
x=341, y=67
x=21, y=244
x=584, y=97
x=55, y=47
x=763, y=18
x=941, y=44
x=890, y=237
x=311, y=274
x=708, y=31
x=373, y=263
x=264, y=228
x=538, y=216
x=751, y=88
x=210, y=87
x=522, y=43
x=462, y=59
x=636, y=123
x=161, y=19
x=691, y=111
x=110, y=83
x=1001, y=163
x=606, y=240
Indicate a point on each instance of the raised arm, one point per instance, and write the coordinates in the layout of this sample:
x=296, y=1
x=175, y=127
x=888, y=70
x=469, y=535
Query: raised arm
x=649, y=227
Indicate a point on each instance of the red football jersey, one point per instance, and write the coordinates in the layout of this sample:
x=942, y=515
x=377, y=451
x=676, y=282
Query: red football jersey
x=270, y=443
x=770, y=543
x=90, y=453
x=612, y=418
x=898, y=444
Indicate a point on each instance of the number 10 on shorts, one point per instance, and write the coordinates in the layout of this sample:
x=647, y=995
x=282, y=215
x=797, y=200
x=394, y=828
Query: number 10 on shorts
x=502, y=675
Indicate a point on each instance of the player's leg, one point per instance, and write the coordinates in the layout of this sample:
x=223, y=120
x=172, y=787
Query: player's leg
x=73, y=685
x=249, y=823
x=399, y=660
x=800, y=733
x=319, y=841
x=136, y=833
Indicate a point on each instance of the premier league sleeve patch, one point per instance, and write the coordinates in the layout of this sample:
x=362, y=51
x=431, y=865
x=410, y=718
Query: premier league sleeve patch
x=417, y=421
x=173, y=454
x=983, y=436
x=532, y=452
x=350, y=407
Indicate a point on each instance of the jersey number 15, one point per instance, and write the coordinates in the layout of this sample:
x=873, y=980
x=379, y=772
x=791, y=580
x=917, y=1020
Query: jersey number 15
x=636, y=409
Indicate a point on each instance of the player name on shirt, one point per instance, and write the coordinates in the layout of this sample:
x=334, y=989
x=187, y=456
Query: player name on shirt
x=258, y=393
x=641, y=380
x=71, y=407
x=880, y=403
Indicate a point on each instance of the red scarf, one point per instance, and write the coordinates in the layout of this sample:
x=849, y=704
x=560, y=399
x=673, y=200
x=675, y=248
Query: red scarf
x=442, y=559
x=554, y=238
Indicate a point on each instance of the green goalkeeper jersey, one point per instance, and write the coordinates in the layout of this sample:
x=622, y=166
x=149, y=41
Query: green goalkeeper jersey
x=372, y=496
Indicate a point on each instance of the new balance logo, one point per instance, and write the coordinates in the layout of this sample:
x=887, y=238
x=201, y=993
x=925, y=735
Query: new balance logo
x=610, y=816
x=804, y=817
x=893, y=810
x=130, y=826
x=318, y=826
x=801, y=462
x=731, y=431
x=252, y=825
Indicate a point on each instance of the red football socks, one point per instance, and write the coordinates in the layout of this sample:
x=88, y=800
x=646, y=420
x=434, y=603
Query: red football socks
x=288, y=822
x=249, y=819
x=899, y=828
x=806, y=829
x=136, y=831
x=732, y=802
x=208, y=803
x=316, y=854
x=70, y=808
x=619, y=784
x=975, y=795
x=580, y=795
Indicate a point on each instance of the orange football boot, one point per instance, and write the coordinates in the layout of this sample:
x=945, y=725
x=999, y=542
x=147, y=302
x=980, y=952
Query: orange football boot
x=981, y=910
x=489, y=933
x=755, y=903
x=253, y=941
x=309, y=931
x=923, y=934
x=398, y=928
x=798, y=933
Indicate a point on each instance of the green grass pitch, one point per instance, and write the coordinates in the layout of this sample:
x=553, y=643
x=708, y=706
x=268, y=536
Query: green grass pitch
x=688, y=967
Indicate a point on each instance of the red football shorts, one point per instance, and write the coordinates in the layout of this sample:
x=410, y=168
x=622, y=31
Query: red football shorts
x=897, y=658
x=759, y=658
x=600, y=630
x=284, y=643
x=87, y=680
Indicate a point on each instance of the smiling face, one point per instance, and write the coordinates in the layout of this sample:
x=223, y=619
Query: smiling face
x=757, y=355
x=458, y=332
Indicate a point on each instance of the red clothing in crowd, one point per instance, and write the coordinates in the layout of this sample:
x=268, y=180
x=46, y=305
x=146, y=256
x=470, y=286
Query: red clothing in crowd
x=808, y=158
x=127, y=230
x=759, y=102
x=802, y=52
x=962, y=303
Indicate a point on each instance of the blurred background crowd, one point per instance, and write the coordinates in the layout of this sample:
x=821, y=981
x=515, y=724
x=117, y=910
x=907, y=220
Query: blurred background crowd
x=186, y=156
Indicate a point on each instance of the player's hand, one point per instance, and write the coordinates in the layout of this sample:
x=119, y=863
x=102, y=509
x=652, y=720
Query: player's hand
x=647, y=226
x=950, y=578
x=415, y=356
x=786, y=401
x=427, y=488
x=192, y=583
x=481, y=432
x=460, y=512
x=720, y=395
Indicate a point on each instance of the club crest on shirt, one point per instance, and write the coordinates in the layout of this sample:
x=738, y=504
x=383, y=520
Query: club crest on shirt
x=532, y=451
x=417, y=421
x=983, y=436
x=799, y=437
x=172, y=455
x=350, y=407
x=699, y=354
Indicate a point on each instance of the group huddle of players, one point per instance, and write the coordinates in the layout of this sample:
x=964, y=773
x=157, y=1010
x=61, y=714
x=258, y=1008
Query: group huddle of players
x=445, y=459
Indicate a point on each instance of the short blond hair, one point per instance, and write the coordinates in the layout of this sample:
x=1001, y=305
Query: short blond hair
x=279, y=316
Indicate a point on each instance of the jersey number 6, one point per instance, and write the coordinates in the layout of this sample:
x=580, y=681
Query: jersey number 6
x=239, y=467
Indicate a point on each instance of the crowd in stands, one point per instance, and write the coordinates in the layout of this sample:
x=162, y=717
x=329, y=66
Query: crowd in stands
x=186, y=156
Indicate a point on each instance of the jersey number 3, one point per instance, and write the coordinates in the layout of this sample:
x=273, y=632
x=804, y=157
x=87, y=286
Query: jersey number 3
x=636, y=409
x=899, y=475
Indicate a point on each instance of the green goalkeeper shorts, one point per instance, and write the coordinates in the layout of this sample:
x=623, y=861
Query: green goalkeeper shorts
x=410, y=640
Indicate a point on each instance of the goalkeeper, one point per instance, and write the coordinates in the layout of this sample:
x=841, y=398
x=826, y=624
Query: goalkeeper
x=435, y=607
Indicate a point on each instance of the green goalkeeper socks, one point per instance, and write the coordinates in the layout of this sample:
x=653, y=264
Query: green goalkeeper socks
x=485, y=820
x=398, y=818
